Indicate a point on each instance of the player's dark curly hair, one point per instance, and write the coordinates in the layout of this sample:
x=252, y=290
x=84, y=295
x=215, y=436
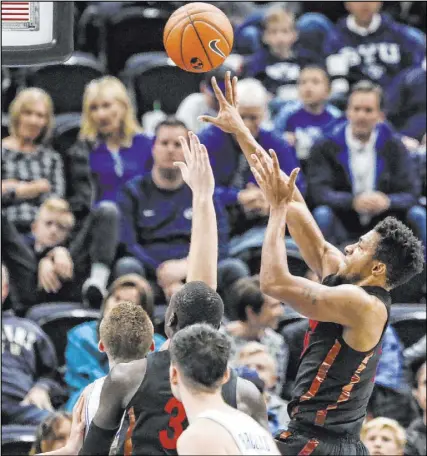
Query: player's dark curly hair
x=196, y=302
x=201, y=352
x=399, y=250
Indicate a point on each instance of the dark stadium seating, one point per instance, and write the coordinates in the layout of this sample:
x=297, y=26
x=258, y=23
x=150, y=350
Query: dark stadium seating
x=56, y=319
x=156, y=78
x=67, y=127
x=17, y=439
x=124, y=37
x=66, y=82
x=409, y=320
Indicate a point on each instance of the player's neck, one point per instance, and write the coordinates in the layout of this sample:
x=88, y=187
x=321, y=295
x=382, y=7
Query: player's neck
x=197, y=403
x=371, y=281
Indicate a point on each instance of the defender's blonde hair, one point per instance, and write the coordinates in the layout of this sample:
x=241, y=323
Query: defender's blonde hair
x=108, y=85
x=24, y=100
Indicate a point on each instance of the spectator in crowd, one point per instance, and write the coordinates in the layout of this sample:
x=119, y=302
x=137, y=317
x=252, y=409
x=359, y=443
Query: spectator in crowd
x=391, y=393
x=406, y=102
x=31, y=170
x=278, y=63
x=369, y=45
x=69, y=269
x=383, y=436
x=201, y=103
x=416, y=433
x=258, y=317
x=362, y=172
x=28, y=366
x=304, y=121
x=112, y=139
x=235, y=182
x=156, y=220
x=255, y=356
x=52, y=433
x=85, y=362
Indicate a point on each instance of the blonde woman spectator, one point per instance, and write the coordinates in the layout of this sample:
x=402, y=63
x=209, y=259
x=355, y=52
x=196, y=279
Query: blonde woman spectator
x=31, y=170
x=383, y=436
x=111, y=146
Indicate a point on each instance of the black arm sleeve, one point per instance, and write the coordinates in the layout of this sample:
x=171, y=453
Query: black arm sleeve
x=98, y=440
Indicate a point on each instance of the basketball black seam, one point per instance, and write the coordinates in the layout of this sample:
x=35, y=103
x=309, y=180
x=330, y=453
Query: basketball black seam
x=181, y=48
x=216, y=29
x=201, y=42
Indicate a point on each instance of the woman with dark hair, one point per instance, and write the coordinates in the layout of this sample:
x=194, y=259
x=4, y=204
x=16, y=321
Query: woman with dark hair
x=52, y=433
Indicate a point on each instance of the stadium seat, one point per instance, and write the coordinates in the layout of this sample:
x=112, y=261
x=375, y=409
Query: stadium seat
x=158, y=79
x=17, y=439
x=67, y=127
x=66, y=82
x=409, y=321
x=123, y=35
x=4, y=126
x=56, y=319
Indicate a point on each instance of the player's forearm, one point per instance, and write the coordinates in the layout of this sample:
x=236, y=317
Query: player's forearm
x=203, y=255
x=249, y=145
x=306, y=234
x=274, y=263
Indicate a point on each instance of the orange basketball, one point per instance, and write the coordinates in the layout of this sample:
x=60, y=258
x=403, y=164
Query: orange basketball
x=198, y=37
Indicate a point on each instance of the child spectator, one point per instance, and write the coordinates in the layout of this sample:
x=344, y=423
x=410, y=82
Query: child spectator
x=31, y=170
x=59, y=265
x=369, y=45
x=383, y=436
x=277, y=64
x=255, y=356
x=112, y=139
x=52, y=433
x=304, y=121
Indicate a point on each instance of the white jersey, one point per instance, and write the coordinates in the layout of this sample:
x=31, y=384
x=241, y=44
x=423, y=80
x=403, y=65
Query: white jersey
x=93, y=395
x=249, y=436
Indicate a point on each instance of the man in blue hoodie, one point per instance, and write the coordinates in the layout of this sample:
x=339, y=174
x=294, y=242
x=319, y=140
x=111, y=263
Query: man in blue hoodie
x=370, y=45
x=156, y=211
x=361, y=172
x=28, y=367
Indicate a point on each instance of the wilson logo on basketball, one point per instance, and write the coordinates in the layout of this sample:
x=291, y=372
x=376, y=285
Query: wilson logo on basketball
x=213, y=46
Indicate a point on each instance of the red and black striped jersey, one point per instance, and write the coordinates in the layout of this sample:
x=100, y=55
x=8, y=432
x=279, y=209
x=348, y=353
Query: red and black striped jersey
x=334, y=381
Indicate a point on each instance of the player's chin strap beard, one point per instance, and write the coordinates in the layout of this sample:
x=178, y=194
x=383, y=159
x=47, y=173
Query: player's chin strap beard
x=336, y=280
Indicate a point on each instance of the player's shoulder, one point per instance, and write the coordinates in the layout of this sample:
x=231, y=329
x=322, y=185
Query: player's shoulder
x=201, y=436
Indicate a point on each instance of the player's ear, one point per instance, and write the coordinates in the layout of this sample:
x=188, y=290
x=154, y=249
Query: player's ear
x=226, y=376
x=173, y=375
x=101, y=347
x=379, y=269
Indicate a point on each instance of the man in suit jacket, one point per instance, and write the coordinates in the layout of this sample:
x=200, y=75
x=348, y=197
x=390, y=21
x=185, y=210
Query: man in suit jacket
x=361, y=172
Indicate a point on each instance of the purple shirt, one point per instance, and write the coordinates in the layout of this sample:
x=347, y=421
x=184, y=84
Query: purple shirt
x=111, y=170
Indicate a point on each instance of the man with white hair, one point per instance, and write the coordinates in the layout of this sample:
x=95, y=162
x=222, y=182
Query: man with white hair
x=236, y=184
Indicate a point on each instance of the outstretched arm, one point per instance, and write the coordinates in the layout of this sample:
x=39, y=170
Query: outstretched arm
x=119, y=387
x=197, y=173
x=347, y=305
x=320, y=256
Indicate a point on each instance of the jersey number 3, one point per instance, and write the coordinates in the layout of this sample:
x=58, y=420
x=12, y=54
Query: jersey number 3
x=168, y=438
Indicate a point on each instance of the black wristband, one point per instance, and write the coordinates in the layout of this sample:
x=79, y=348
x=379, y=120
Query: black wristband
x=98, y=440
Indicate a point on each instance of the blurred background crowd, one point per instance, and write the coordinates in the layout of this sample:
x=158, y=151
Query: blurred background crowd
x=94, y=211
